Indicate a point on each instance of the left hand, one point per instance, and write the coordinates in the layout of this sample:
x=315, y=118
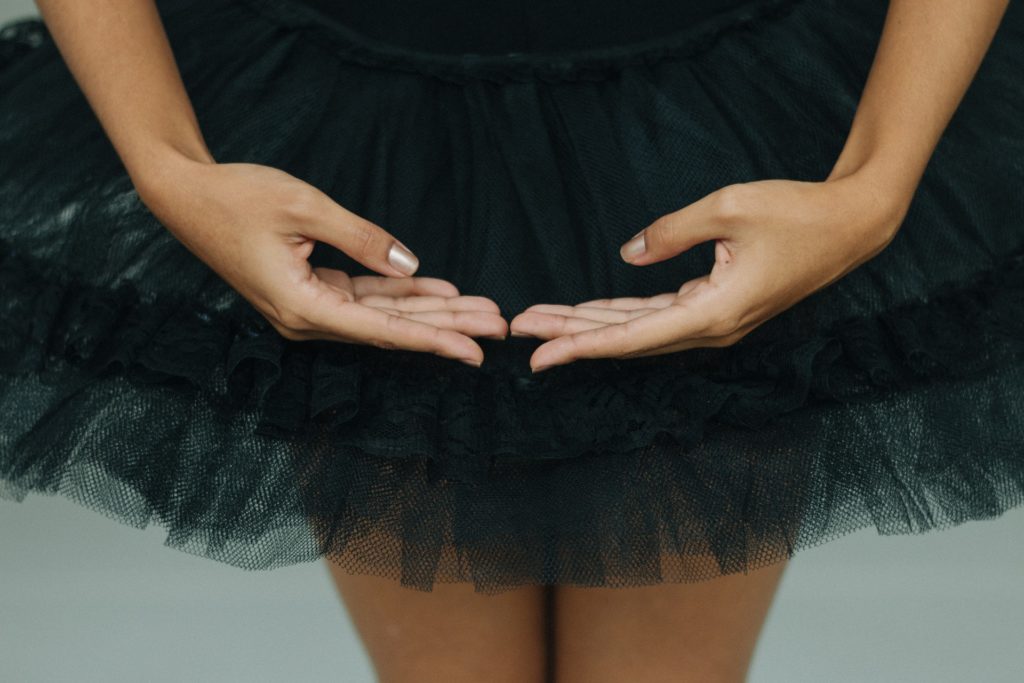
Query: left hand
x=776, y=242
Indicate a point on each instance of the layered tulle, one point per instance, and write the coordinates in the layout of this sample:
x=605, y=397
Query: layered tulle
x=139, y=383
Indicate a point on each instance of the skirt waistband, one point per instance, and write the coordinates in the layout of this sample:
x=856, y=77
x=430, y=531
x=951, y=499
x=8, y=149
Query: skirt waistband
x=448, y=46
x=502, y=27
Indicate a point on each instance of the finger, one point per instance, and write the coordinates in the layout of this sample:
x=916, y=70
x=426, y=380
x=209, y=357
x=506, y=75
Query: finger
x=659, y=301
x=605, y=314
x=710, y=217
x=328, y=315
x=362, y=239
x=681, y=345
x=365, y=285
x=690, y=284
x=431, y=303
x=605, y=341
x=471, y=323
x=338, y=279
x=548, y=325
x=691, y=317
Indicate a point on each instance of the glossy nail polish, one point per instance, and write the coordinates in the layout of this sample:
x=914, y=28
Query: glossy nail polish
x=402, y=259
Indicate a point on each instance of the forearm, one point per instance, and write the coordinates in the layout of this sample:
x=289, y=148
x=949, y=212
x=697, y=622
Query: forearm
x=120, y=56
x=927, y=56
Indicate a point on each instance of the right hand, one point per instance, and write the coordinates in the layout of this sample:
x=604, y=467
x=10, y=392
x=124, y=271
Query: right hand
x=256, y=227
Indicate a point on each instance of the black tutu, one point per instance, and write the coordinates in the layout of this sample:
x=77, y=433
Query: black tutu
x=136, y=382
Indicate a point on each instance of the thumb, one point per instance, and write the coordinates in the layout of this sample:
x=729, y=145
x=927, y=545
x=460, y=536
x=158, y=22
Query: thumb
x=362, y=239
x=672, y=234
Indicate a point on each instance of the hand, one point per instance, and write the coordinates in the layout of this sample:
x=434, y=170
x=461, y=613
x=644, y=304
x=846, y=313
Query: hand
x=777, y=241
x=256, y=227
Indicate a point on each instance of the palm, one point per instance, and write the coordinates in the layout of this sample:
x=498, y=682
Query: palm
x=618, y=323
x=429, y=300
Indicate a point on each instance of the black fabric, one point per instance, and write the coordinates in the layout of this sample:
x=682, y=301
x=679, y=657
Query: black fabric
x=138, y=383
x=500, y=26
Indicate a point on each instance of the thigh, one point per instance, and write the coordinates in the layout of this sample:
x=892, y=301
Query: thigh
x=449, y=634
x=703, y=631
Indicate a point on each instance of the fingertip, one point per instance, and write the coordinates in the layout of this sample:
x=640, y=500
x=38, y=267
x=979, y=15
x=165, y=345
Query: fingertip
x=493, y=328
x=475, y=358
x=402, y=260
x=515, y=326
x=465, y=350
x=452, y=286
x=543, y=358
x=634, y=248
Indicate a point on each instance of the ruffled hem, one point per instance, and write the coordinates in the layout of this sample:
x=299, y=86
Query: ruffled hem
x=592, y=64
x=172, y=400
x=476, y=419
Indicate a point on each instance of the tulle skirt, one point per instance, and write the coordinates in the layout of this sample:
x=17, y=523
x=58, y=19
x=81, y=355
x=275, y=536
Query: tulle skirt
x=136, y=382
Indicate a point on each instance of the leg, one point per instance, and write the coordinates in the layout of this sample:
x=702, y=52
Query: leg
x=679, y=632
x=450, y=634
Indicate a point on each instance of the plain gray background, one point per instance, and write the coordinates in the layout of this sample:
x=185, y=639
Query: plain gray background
x=87, y=600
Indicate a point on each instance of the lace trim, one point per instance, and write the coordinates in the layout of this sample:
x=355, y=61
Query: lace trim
x=576, y=65
x=497, y=413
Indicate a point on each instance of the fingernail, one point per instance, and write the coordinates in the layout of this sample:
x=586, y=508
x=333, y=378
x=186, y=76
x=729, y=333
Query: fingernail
x=470, y=361
x=402, y=259
x=540, y=368
x=517, y=333
x=634, y=247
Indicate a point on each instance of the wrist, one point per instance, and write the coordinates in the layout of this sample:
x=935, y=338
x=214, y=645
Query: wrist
x=162, y=163
x=890, y=183
x=882, y=203
x=895, y=178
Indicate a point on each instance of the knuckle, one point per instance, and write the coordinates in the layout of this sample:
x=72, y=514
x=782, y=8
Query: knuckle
x=726, y=324
x=738, y=335
x=366, y=240
x=656, y=235
x=728, y=339
x=731, y=203
x=300, y=202
x=286, y=332
x=291, y=317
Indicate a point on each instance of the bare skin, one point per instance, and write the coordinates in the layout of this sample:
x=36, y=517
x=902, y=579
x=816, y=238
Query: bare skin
x=701, y=632
x=119, y=54
x=450, y=634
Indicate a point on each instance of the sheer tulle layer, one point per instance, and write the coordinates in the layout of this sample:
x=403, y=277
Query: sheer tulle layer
x=139, y=384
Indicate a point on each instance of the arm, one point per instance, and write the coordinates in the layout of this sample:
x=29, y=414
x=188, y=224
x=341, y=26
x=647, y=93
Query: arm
x=254, y=225
x=769, y=251
x=927, y=56
x=119, y=54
